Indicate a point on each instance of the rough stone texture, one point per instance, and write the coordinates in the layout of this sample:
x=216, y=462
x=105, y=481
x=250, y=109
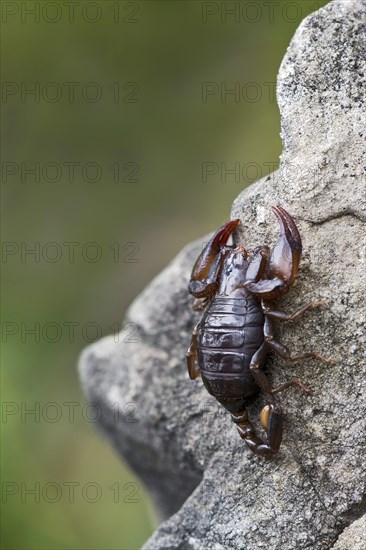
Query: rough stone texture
x=353, y=537
x=184, y=446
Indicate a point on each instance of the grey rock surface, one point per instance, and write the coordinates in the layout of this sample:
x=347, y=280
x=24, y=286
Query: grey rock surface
x=353, y=537
x=184, y=446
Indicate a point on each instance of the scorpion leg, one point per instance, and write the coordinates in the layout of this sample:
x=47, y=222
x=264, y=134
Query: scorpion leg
x=283, y=262
x=200, y=304
x=285, y=353
x=191, y=355
x=206, y=269
x=283, y=316
x=257, y=362
x=269, y=343
x=271, y=418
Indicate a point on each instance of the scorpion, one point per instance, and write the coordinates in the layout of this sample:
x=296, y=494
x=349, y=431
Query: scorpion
x=233, y=287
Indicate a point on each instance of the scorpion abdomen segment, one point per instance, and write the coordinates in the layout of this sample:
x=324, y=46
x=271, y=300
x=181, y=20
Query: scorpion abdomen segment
x=232, y=328
x=231, y=332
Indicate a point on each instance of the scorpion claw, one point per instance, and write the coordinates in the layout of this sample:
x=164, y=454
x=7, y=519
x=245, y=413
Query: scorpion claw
x=284, y=259
x=205, y=270
x=288, y=226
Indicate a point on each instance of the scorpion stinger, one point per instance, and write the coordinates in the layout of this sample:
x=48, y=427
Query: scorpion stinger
x=272, y=421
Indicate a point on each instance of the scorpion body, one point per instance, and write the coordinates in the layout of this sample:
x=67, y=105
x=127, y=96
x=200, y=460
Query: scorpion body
x=231, y=331
x=229, y=344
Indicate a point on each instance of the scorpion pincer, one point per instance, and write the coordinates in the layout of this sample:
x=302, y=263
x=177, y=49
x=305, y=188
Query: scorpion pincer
x=234, y=287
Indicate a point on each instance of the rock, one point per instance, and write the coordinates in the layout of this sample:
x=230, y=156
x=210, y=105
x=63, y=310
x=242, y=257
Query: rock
x=353, y=537
x=183, y=445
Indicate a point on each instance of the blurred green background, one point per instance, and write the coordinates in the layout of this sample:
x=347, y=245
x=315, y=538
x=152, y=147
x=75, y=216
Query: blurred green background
x=128, y=105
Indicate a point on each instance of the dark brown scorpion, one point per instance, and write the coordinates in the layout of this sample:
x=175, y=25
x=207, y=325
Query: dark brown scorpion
x=230, y=343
